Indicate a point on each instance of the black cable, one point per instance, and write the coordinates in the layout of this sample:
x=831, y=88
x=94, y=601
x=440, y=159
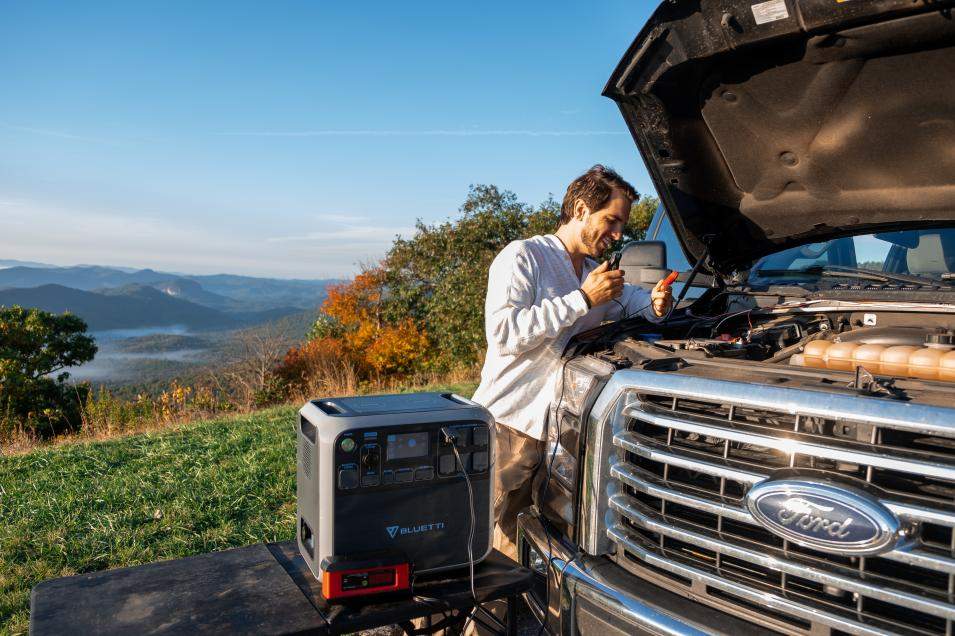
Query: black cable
x=550, y=470
x=452, y=439
x=619, y=324
x=686, y=285
x=544, y=489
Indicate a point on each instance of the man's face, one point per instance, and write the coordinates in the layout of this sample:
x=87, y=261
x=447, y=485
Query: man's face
x=604, y=226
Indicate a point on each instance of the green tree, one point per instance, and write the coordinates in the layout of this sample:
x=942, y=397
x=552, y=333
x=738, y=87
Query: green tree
x=438, y=277
x=35, y=348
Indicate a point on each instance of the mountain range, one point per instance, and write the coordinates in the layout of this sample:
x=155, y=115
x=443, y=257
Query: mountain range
x=116, y=298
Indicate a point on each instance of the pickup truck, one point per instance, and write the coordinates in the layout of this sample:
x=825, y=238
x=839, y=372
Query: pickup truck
x=778, y=455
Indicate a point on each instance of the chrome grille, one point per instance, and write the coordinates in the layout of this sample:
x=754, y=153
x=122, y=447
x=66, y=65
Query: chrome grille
x=685, y=452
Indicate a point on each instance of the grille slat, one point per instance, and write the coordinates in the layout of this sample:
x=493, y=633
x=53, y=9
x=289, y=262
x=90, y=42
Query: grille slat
x=903, y=416
x=658, y=453
x=638, y=547
x=687, y=451
x=649, y=520
x=647, y=484
x=797, y=445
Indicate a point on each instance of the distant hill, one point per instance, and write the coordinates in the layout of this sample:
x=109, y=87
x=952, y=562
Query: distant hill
x=186, y=289
x=132, y=306
x=6, y=262
x=224, y=292
x=306, y=294
x=85, y=277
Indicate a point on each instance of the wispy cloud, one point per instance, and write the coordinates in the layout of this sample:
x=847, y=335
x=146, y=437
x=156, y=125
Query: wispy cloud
x=58, y=134
x=423, y=133
x=354, y=235
x=341, y=218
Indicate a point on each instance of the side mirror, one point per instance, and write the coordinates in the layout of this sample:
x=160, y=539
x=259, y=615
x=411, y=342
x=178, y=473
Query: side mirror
x=644, y=262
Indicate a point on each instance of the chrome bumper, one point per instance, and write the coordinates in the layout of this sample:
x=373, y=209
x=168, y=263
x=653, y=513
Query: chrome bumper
x=596, y=596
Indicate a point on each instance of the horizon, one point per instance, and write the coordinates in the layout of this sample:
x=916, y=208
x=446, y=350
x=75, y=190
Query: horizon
x=291, y=141
x=133, y=270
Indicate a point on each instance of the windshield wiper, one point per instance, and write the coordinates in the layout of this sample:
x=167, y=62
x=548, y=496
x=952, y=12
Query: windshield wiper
x=842, y=271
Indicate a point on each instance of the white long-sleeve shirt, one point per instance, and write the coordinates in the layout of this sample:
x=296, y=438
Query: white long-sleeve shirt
x=534, y=306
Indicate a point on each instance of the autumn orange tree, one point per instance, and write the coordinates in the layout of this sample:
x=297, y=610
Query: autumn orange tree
x=352, y=325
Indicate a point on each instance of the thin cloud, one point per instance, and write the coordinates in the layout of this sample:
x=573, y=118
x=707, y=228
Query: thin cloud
x=350, y=235
x=423, y=133
x=340, y=218
x=58, y=134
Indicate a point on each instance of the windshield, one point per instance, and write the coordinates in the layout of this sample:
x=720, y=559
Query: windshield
x=905, y=258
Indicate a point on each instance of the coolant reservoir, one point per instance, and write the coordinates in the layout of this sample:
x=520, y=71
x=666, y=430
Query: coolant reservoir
x=895, y=360
x=839, y=356
x=923, y=363
x=814, y=355
x=926, y=363
x=869, y=357
x=946, y=367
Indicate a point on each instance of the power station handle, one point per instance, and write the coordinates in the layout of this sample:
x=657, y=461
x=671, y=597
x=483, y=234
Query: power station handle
x=308, y=429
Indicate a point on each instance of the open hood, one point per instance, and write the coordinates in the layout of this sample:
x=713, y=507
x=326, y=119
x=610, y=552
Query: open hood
x=766, y=124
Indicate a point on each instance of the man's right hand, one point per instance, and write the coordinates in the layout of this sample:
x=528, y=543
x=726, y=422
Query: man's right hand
x=602, y=285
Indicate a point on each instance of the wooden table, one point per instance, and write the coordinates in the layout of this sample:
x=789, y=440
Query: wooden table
x=258, y=589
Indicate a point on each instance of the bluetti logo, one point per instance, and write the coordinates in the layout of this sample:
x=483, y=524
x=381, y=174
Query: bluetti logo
x=394, y=531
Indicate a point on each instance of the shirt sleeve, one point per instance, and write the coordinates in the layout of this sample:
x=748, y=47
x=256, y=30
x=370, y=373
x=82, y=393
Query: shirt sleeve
x=515, y=319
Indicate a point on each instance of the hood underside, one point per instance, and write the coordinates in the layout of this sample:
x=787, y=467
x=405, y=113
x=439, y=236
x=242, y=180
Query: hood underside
x=769, y=124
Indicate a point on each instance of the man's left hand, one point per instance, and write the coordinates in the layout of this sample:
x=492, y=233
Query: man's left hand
x=661, y=298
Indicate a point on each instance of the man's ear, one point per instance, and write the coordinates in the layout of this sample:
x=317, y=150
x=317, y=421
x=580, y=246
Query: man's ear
x=580, y=209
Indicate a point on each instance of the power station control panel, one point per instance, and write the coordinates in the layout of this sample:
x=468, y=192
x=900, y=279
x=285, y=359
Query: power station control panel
x=396, y=456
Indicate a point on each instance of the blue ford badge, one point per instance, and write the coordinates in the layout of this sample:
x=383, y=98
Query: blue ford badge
x=824, y=515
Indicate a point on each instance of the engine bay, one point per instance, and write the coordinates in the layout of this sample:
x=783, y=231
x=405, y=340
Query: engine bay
x=890, y=354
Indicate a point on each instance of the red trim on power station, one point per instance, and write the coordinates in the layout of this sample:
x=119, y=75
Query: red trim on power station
x=332, y=582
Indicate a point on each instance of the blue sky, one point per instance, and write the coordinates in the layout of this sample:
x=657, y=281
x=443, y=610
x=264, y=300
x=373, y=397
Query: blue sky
x=290, y=139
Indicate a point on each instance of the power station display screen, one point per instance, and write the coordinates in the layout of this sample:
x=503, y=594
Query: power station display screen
x=408, y=445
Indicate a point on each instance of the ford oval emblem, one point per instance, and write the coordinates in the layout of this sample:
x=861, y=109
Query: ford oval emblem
x=825, y=515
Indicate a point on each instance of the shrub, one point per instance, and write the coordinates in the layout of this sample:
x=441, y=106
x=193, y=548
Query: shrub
x=35, y=348
x=397, y=349
x=317, y=367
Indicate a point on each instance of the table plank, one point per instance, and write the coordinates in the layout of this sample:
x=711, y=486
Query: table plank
x=240, y=591
x=258, y=589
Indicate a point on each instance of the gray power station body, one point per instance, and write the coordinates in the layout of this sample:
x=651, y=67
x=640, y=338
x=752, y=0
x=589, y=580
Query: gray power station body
x=374, y=473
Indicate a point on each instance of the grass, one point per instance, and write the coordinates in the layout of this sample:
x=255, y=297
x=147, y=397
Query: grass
x=166, y=494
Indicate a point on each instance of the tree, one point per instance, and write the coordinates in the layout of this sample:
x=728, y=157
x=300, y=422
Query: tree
x=35, y=345
x=435, y=281
x=438, y=277
x=249, y=375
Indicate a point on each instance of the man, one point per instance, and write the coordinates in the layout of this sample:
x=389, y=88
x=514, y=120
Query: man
x=541, y=291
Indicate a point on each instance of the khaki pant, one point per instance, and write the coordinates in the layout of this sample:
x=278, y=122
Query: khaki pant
x=518, y=456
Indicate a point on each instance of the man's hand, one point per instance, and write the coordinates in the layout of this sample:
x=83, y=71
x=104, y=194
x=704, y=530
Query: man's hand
x=661, y=298
x=602, y=285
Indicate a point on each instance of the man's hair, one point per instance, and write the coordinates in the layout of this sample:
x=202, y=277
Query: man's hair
x=594, y=187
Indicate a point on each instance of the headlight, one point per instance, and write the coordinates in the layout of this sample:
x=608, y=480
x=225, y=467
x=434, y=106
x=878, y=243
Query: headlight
x=575, y=393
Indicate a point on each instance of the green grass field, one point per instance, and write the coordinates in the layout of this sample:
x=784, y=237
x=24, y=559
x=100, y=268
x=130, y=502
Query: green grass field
x=92, y=506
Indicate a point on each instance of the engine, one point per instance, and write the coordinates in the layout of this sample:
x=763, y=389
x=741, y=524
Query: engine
x=824, y=342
